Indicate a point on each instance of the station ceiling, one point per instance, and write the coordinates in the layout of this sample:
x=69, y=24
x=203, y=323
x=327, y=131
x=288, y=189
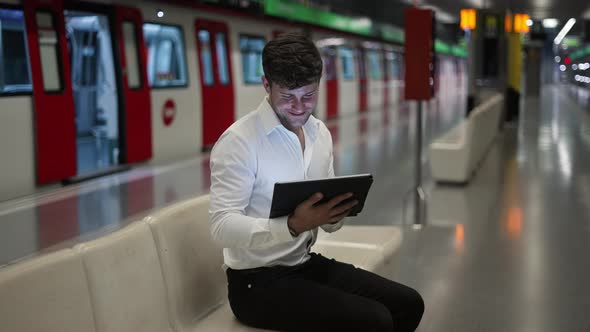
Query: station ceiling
x=448, y=10
x=537, y=9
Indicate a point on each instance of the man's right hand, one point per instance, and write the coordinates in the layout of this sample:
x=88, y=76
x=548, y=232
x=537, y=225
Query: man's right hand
x=308, y=215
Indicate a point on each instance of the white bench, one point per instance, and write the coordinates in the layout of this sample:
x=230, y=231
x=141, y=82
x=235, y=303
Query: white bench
x=162, y=273
x=456, y=154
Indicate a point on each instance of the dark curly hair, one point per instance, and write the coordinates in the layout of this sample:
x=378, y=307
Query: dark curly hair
x=291, y=61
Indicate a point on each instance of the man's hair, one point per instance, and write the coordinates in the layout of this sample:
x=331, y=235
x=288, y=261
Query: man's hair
x=291, y=61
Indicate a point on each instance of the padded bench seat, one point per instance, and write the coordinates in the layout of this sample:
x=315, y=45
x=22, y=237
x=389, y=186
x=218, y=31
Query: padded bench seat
x=456, y=154
x=162, y=273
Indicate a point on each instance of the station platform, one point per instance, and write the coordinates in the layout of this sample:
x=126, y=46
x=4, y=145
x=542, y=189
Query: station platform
x=505, y=252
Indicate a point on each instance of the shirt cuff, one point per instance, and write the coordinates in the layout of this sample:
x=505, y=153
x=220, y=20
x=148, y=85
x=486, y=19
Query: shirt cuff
x=330, y=228
x=279, y=229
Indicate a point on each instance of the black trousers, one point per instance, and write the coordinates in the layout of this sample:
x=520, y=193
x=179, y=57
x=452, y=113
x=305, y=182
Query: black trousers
x=322, y=295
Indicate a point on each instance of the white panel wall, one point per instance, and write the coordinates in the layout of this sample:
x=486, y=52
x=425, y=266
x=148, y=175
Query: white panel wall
x=375, y=87
x=321, y=109
x=394, y=87
x=183, y=137
x=247, y=96
x=17, y=147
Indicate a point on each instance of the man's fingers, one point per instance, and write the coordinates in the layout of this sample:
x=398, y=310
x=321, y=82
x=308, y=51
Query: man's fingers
x=344, y=208
x=339, y=217
x=313, y=199
x=338, y=199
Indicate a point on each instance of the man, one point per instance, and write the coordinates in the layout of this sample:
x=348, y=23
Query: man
x=275, y=282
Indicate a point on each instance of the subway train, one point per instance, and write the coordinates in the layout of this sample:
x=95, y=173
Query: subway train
x=89, y=88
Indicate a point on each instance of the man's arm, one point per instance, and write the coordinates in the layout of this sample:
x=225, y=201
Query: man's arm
x=233, y=165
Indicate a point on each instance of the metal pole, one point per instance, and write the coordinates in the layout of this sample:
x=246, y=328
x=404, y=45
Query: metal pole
x=419, y=199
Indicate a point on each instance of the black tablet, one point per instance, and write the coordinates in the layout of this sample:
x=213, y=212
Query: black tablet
x=287, y=195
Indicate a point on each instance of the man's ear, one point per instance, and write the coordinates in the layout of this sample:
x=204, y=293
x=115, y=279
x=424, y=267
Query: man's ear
x=266, y=84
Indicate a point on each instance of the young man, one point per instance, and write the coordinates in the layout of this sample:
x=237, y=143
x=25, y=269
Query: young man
x=275, y=282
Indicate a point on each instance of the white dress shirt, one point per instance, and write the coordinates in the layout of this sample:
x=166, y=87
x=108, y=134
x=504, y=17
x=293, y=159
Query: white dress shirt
x=248, y=159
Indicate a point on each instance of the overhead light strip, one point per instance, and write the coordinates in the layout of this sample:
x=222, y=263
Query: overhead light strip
x=568, y=26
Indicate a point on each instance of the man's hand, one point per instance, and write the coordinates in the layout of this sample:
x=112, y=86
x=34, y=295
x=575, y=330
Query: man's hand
x=308, y=215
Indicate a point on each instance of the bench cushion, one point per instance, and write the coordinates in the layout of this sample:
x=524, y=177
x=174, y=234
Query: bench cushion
x=191, y=262
x=368, y=247
x=47, y=293
x=125, y=281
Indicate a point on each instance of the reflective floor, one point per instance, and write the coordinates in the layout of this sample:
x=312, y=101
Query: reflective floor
x=509, y=251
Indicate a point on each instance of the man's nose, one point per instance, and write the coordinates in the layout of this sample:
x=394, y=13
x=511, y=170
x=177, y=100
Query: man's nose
x=297, y=104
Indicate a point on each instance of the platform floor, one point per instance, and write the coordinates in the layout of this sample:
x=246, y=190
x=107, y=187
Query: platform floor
x=508, y=252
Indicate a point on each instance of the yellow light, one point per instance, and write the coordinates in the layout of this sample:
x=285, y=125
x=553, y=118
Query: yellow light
x=520, y=21
x=468, y=19
x=508, y=23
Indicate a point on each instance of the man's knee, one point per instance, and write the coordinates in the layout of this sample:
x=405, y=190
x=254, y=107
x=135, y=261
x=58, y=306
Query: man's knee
x=379, y=320
x=417, y=304
x=414, y=310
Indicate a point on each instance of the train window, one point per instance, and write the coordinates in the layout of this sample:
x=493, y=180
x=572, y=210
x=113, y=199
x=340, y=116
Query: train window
x=49, y=51
x=399, y=65
x=329, y=59
x=392, y=66
x=131, y=55
x=15, y=74
x=251, y=49
x=166, y=61
x=222, y=64
x=206, y=59
x=360, y=56
x=347, y=60
x=375, y=69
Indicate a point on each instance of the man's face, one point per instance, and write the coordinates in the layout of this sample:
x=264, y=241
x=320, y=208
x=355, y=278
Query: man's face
x=293, y=107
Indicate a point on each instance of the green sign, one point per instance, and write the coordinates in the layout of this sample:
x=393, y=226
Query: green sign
x=571, y=42
x=392, y=33
x=441, y=47
x=297, y=12
x=360, y=26
x=458, y=51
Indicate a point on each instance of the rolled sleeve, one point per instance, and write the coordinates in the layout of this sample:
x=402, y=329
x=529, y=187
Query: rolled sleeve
x=330, y=228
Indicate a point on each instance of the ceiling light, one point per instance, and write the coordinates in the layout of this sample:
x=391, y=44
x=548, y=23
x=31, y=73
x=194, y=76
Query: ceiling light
x=550, y=23
x=568, y=26
x=160, y=13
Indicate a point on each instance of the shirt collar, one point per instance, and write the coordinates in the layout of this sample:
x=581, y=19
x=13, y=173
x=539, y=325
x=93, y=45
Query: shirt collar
x=270, y=121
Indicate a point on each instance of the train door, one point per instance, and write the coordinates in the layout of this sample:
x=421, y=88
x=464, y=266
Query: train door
x=330, y=55
x=217, y=92
x=363, y=85
x=94, y=87
x=52, y=91
x=137, y=121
